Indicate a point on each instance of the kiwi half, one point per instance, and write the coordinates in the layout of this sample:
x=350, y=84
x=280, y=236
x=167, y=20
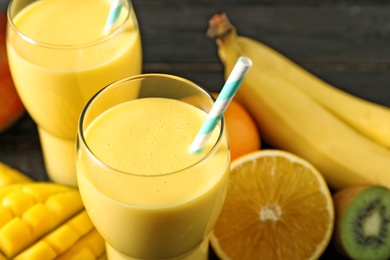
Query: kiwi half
x=362, y=228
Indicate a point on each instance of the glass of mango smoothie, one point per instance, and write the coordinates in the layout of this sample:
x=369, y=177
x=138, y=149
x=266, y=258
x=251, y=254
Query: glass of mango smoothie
x=146, y=193
x=60, y=56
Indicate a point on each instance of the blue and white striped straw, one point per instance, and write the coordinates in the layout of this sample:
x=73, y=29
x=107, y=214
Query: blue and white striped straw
x=113, y=15
x=225, y=96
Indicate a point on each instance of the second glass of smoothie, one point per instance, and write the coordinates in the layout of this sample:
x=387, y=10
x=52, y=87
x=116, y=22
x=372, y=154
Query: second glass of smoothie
x=59, y=57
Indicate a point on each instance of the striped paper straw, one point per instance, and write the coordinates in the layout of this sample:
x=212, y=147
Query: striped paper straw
x=113, y=15
x=225, y=96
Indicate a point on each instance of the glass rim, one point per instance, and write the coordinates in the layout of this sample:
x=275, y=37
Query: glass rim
x=120, y=28
x=81, y=137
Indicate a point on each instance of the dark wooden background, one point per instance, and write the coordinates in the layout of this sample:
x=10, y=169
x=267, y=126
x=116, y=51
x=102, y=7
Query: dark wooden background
x=346, y=43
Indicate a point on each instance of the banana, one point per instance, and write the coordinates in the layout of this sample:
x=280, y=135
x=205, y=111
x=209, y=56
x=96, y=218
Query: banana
x=367, y=117
x=371, y=119
x=290, y=119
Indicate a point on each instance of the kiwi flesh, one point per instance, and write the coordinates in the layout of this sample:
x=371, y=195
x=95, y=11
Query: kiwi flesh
x=362, y=222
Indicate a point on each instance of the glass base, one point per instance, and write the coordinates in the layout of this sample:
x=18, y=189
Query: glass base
x=199, y=253
x=59, y=157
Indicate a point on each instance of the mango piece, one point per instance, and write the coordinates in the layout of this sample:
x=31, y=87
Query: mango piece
x=62, y=238
x=9, y=175
x=5, y=216
x=13, y=236
x=17, y=202
x=66, y=235
x=78, y=253
x=94, y=241
x=42, y=251
x=5, y=190
x=43, y=207
x=65, y=204
x=43, y=220
x=39, y=219
x=74, y=239
x=82, y=224
x=42, y=191
x=90, y=246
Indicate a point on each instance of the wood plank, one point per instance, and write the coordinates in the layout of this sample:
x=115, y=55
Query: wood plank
x=305, y=33
x=337, y=42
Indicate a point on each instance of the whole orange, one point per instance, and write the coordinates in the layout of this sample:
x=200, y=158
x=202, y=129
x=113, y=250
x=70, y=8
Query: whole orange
x=243, y=134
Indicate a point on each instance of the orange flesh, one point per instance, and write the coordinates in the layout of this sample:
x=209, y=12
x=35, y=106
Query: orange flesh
x=274, y=215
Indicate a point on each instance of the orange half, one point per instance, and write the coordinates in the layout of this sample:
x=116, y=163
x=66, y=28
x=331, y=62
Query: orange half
x=278, y=206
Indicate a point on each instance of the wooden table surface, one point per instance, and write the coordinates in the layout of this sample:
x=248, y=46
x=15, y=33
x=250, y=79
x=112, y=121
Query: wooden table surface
x=346, y=43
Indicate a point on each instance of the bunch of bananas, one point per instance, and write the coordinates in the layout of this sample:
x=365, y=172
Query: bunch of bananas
x=345, y=137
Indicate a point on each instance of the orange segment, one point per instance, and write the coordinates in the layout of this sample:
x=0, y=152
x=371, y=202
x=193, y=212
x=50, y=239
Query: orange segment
x=278, y=206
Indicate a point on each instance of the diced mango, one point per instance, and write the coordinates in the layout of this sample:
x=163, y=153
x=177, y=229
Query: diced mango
x=5, y=216
x=43, y=221
x=39, y=219
x=78, y=253
x=64, y=205
x=41, y=251
x=9, y=175
x=66, y=235
x=14, y=236
x=59, y=204
x=5, y=190
x=42, y=191
x=82, y=224
x=92, y=243
x=62, y=238
x=17, y=202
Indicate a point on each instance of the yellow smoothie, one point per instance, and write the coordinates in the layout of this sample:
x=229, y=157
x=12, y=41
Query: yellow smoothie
x=69, y=62
x=153, y=199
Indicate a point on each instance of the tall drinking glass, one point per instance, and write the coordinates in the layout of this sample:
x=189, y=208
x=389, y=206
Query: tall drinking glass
x=60, y=56
x=146, y=193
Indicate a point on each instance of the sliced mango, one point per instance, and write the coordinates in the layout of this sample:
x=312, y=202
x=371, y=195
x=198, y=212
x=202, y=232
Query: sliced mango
x=5, y=216
x=65, y=204
x=75, y=239
x=37, y=208
x=42, y=251
x=14, y=236
x=91, y=246
x=39, y=219
x=9, y=175
x=43, y=191
x=17, y=202
x=44, y=220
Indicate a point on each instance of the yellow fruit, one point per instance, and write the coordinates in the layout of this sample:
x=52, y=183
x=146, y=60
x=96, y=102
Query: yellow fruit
x=75, y=237
x=8, y=175
x=42, y=220
x=372, y=120
x=242, y=130
x=290, y=119
x=278, y=206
